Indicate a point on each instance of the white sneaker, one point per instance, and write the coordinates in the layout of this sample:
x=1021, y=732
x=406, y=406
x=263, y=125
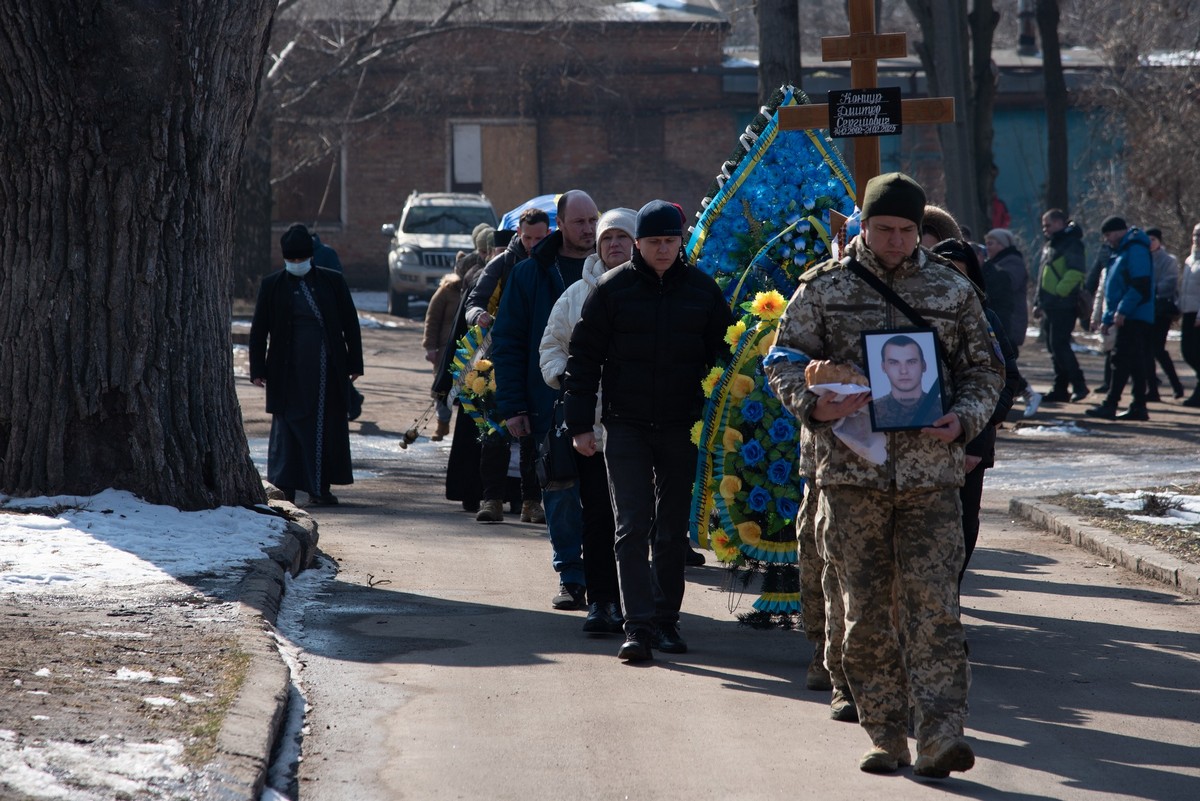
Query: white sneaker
x=1032, y=401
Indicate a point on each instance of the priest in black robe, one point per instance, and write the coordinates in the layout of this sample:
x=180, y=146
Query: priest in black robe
x=306, y=349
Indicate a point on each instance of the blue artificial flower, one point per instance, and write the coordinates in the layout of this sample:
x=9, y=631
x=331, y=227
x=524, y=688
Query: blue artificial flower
x=752, y=410
x=752, y=453
x=787, y=508
x=758, y=499
x=780, y=471
x=782, y=430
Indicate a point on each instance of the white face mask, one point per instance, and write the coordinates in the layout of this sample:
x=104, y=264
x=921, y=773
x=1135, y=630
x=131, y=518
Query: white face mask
x=298, y=268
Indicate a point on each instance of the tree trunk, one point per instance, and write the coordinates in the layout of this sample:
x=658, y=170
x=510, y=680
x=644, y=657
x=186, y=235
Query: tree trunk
x=253, y=243
x=944, y=57
x=778, y=46
x=121, y=127
x=983, y=19
x=1057, y=186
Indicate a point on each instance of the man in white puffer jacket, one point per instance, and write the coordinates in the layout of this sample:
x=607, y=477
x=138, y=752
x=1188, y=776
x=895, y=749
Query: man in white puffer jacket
x=614, y=243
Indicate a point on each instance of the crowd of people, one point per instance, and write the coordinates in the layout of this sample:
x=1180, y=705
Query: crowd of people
x=603, y=324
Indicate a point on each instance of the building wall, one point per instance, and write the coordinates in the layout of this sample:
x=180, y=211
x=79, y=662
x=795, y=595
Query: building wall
x=626, y=112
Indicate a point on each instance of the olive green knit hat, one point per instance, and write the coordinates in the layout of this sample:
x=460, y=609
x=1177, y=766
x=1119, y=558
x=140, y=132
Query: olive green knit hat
x=893, y=194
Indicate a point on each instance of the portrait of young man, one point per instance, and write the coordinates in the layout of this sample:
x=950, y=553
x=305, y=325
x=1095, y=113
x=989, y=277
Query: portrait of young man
x=905, y=385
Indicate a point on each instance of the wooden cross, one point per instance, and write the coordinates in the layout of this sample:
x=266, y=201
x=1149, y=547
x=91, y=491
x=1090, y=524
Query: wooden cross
x=863, y=48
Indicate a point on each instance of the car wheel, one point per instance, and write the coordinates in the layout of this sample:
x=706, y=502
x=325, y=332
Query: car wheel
x=397, y=303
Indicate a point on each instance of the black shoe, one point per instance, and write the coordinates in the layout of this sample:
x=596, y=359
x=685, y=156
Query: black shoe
x=1153, y=397
x=636, y=647
x=1137, y=413
x=1103, y=411
x=570, y=597
x=1177, y=392
x=613, y=617
x=667, y=639
x=1056, y=396
x=1102, y=388
x=289, y=495
x=694, y=558
x=325, y=499
x=597, y=622
x=1080, y=394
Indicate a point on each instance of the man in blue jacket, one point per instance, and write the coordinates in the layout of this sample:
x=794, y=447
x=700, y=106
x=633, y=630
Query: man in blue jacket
x=523, y=399
x=1129, y=308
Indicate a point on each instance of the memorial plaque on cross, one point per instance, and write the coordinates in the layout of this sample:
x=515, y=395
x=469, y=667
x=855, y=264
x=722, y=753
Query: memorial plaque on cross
x=863, y=48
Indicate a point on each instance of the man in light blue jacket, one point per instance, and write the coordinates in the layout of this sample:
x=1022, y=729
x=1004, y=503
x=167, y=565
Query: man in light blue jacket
x=1129, y=308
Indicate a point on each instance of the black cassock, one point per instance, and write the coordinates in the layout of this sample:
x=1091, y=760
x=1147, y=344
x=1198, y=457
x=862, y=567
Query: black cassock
x=314, y=345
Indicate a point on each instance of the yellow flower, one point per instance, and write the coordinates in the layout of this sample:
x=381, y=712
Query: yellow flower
x=730, y=485
x=734, y=333
x=483, y=365
x=742, y=386
x=699, y=424
x=710, y=381
x=479, y=385
x=768, y=305
x=750, y=532
x=469, y=378
x=767, y=342
x=491, y=382
x=719, y=541
x=731, y=438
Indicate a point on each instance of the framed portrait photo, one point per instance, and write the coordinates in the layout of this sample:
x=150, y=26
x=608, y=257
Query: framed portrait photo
x=906, y=378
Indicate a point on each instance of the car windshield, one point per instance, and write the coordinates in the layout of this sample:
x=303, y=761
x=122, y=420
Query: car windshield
x=445, y=219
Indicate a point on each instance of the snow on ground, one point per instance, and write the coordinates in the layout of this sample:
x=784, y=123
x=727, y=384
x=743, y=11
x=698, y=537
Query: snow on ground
x=1058, y=429
x=114, y=547
x=70, y=544
x=1188, y=513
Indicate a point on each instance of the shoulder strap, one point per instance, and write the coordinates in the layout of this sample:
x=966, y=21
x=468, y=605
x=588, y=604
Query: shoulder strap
x=886, y=291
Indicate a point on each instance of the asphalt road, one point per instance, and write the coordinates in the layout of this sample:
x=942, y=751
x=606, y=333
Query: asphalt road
x=435, y=668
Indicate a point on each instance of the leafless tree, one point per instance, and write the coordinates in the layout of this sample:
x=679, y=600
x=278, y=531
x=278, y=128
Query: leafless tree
x=1057, y=152
x=121, y=125
x=778, y=45
x=1150, y=96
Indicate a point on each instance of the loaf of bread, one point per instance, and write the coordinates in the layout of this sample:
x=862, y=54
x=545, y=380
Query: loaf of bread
x=823, y=371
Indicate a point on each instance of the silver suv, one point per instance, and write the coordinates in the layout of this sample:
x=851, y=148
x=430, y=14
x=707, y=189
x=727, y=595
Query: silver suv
x=433, y=228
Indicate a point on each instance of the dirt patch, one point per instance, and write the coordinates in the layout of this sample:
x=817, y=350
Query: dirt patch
x=89, y=676
x=1182, y=542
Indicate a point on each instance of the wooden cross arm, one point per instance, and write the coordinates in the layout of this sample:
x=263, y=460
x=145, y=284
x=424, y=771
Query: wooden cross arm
x=864, y=45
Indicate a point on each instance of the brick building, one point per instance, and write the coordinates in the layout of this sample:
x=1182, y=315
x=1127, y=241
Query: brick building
x=624, y=100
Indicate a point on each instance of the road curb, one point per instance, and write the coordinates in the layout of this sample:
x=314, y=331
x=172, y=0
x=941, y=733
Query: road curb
x=254, y=719
x=1183, y=577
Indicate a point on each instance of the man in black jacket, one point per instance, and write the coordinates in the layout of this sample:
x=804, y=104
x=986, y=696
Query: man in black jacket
x=1061, y=279
x=648, y=334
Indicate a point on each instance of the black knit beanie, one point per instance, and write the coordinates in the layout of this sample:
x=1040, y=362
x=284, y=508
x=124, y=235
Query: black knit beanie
x=893, y=194
x=659, y=218
x=1113, y=224
x=296, y=243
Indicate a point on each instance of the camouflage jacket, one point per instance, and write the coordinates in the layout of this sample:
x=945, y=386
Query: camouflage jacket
x=825, y=319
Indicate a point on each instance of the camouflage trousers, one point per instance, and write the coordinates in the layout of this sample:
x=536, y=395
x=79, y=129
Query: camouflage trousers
x=896, y=556
x=820, y=594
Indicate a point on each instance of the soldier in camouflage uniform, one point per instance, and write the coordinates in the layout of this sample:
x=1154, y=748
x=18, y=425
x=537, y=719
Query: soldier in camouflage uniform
x=892, y=533
x=821, y=600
